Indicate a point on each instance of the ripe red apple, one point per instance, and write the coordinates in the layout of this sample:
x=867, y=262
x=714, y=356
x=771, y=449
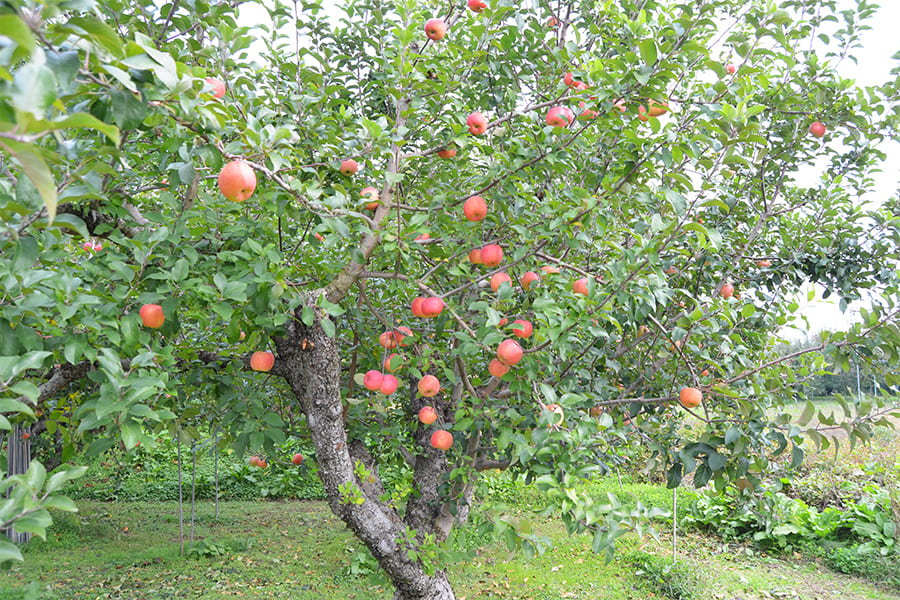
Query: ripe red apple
x=152, y=316
x=522, y=328
x=476, y=5
x=372, y=195
x=387, y=340
x=580, y=286
x=560, y=116
x=237, y=181
x=403, y=335
x=427, y=415
x=218, y=86
x=318, y=236
x=447, y=153
x=26, y=435
x=509, y=352
x=475, y=208
x=656, y=109
x=497, y=368
x=817, y=129
x=422, y=237
x=442, y=439
x=477, y=123
x=432, y=307
x=527, y=279
x=435, y=29
x=730, y=69
x=550, y=269
x=491, y=255
x=261, y=463
x=727, y=291
x=587, y=113
x=262, y=361
x=372, y=380
x=416, y=307
x=620, y=104
x=298, y=458
x=569, y=79
x=552, y=22
x=499, y=278
x=349, y=167
x=254, y=461
x=429, y=386
x=393, y=363
x=389, y=385
x=475, y=256
x=502, y=322
x=764, y=264
x=88, y=246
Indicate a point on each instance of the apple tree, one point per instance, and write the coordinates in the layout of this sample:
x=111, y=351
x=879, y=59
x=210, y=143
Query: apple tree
x=575, y=224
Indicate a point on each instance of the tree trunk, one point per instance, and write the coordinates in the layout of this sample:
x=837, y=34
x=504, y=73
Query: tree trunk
x=311, y=365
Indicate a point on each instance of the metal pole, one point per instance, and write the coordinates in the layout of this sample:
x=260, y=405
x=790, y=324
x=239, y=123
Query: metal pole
x=193, y=491
x=180, y=496
x=858, y=389
x=674, y=521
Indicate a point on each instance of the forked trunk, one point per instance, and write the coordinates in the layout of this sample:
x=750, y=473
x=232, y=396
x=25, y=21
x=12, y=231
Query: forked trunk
x=311, y=364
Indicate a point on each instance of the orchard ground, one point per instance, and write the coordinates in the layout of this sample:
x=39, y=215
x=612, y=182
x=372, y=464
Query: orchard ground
x=299, y=550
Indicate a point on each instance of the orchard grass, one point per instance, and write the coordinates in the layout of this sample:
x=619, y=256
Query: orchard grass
x=298, y=550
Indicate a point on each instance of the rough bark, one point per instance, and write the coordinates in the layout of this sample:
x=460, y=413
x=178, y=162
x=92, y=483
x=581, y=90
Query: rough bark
x=312, y=370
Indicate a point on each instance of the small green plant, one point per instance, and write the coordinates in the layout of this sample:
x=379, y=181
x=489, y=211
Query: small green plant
x=208, y=548
x=659, y=575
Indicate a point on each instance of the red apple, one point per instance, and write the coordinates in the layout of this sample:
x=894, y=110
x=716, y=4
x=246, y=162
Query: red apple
x=416, y=307
x=218, y=86
x=569, y=79
x=475, y=256
x=387, y=340
x=427, y=415
x=372, y=380
x=88, y=246
x=447, y=153
x=499, y=278
x=298, y=458
x=152, y=316
x=497, y=368
x=393, y=363
x=502, y=322
x=26, y=435
x=389, y=385
x=730, y=69
x=261, y=463
x=477, y=123
x=560, y=116
x=580, y=286
x=528, y=278
x=491, y=255
x=349, y=167
x=254, y=461
x=509, y=352
x=442, y=439
x=432, y=307
x=237, y=181
x=764, y=264
x=550, y=269
x=476, y=5
x=372, y=195
x=429, y=386
x=817, y=129
x=262, y=361
x=422, y=237
x=522, y=328
x=727, y=291
x=404, y=336
x=587, y=113
x=435, y=29
x=475, y=208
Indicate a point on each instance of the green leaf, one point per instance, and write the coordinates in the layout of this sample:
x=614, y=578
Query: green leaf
x=11, y=366
x=33, y=89
x=99, y=33
x=15, y=29
x=36, y=170
x=86, y=121
x=9, y=551
x=648, y=51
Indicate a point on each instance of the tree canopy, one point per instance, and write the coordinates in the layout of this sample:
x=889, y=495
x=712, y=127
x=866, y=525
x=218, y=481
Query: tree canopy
x=294, y=189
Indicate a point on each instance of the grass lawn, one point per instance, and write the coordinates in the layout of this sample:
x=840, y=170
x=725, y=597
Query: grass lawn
x=299, y=550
